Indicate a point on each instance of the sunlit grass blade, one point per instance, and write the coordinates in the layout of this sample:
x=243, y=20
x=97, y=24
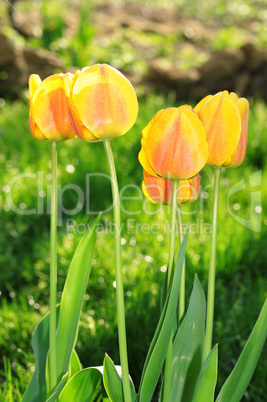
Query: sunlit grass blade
x=83, y=386
x=238, y=381
x=158, y=348
x=72, y=298
x=188, y=346
x=207, y=378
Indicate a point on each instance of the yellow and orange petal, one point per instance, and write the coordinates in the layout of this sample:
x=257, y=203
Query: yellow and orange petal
x=225, y=118
x=174, y=144
x=104, y=103
x=240, y=152
x=49, y=111
x=159, y=190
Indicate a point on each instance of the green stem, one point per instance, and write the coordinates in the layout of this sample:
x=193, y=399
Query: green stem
x=167, y=377
x=118, y=274
x=182, y=286
x=175, y=184
x=53, y=270
x=212, y=265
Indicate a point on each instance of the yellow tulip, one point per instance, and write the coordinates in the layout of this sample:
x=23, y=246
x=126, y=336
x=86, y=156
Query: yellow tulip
x=174, y=144
x=102, y=101
x=159, y=190
x=49, y=111
x=225, y=118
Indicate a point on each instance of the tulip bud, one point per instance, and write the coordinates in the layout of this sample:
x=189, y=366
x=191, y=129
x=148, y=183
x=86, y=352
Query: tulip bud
x=102, y=102
x=159, y=190
x=49, y=111
x=225, y=118
x=174, y=144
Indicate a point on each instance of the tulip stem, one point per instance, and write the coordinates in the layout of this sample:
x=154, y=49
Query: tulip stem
x=175, y=184
x=182, y=286
x=53, y=270
x=118, y=274
x=212, y=265
x=167, y=377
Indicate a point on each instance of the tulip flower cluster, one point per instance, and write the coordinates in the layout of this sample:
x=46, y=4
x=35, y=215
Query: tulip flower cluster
x=179, y=142
x=96, y=104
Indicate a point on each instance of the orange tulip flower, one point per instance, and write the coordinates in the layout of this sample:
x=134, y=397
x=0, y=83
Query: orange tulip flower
x=49, y=111
x=159, y=190
x=174, y=144
x=102, y=101
x=225, y=118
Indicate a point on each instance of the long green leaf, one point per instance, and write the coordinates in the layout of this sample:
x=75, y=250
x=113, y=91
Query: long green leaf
x=207, y=378
x=56, y=392
x=238, y=381
x=72, y=298
x=83, y=386
x=187, y=349
x=113, y=382
x=158, y=348
x=36, y=390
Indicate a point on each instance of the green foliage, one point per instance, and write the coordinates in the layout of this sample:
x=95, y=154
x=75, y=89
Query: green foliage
x=236, y=384
x=24, y=241
x=187, y=355
x=83, y=386
x=159, y=344
x=207, y=379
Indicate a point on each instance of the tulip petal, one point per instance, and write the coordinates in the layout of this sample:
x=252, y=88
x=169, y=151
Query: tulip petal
x=176, y=146
x=201, y=103
x=144, y=162
x=36, y=132
x=146, y=193
x=240, y=153
x=34, y=82
x=105, y=101
x=222, y=121
x=159, y=190
x=51, y=111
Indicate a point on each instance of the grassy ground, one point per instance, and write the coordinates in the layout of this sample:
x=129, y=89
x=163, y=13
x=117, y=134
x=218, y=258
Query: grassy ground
x=24, y=244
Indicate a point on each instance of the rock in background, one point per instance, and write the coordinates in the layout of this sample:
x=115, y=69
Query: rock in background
x=242, y=70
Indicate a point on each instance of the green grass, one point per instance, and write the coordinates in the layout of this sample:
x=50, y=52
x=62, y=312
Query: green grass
x=24, y=244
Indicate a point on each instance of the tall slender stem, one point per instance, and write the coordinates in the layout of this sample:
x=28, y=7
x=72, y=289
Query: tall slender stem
x=182, y=286
x=118, y=274
x=175, y=184
x=53, y=270
x=167, y=377
x=212, y=264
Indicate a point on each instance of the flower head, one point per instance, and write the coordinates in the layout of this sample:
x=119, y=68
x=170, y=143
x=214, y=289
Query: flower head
x=159, y=190
x=49, y=111
x=174, y=144
x=102, y=102
x=225, y=118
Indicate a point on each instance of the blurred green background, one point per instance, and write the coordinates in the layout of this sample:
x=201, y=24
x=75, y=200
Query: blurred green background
x=25, y=184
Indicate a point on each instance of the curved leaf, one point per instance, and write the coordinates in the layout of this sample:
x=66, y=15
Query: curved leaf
x=56, y=392
x=83, y=386
x=36, y=390
x=187, y=348
x=113, y=382
x=75, y=364
x=207, y=378
x=158, y=348
x=72, y=298
x=237, y=382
